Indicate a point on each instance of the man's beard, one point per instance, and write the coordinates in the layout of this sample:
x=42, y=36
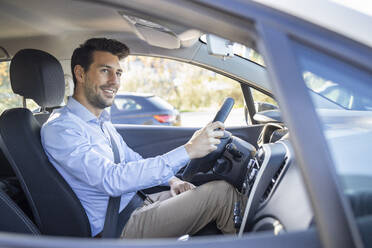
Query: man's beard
x=95, y=99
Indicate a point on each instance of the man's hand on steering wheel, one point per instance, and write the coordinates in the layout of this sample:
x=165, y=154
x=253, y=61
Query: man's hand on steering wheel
x=204, y=140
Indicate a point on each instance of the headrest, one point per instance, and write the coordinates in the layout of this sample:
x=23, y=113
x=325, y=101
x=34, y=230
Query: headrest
x=37, y=75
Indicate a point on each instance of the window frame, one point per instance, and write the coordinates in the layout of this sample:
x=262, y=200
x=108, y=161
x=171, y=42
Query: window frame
x=289, y=85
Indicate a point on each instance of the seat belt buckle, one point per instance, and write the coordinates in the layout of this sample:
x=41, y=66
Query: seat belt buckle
x=144, y=196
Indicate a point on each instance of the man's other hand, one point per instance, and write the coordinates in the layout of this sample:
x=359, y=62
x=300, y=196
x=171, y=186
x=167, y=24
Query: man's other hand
x=205, y=140
x=177, y=186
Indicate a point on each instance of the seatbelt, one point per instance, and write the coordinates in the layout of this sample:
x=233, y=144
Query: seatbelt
x=136, y=202
x=112, y=228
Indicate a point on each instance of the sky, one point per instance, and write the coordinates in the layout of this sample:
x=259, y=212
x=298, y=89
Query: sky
x=364, y=6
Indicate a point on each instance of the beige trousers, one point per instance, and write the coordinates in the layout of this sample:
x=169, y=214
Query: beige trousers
x=185, y=213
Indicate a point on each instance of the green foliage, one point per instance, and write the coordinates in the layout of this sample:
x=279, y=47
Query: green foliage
x=8, y=98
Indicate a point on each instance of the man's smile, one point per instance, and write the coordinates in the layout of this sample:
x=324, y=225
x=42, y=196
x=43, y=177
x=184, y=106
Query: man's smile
x=109, y=92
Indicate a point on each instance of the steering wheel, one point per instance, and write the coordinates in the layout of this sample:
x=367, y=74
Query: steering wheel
x=206, y=163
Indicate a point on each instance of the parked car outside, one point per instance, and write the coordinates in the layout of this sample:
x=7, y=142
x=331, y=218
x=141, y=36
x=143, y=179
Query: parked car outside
x=143, y=109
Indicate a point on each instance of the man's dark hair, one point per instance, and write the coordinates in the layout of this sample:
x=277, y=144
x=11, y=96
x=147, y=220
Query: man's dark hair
x=83, y=55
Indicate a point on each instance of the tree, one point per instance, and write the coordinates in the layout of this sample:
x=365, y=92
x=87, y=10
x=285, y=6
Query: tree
x=8, y=98
x=187, y=87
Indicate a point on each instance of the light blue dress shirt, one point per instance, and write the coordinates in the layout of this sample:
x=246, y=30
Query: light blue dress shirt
x=78, y=144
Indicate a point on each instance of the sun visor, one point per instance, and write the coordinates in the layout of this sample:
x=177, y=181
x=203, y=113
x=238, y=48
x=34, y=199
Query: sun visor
x=160, y=36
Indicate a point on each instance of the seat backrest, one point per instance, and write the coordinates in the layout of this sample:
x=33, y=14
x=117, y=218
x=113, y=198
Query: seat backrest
x=57, y=211
x=5, y=168
x=13, y=219
x=41, y=117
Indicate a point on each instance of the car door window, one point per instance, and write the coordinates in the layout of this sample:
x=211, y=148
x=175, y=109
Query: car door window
x=332, y=88
x=8, y=98
x=190, y=95
x=348, y=131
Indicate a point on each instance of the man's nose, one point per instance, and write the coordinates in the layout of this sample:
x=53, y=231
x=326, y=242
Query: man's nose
x=114, y=79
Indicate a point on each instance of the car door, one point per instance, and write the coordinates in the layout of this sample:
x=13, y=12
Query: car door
x=150, y=141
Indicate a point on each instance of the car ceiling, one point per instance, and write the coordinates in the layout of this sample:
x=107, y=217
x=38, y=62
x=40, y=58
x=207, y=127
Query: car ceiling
x=58, y=27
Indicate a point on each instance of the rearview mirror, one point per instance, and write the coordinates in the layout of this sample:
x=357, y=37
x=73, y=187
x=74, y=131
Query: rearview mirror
x=218, y=46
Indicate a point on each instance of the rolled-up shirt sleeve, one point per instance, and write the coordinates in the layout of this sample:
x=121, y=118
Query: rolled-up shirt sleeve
x=72, y=149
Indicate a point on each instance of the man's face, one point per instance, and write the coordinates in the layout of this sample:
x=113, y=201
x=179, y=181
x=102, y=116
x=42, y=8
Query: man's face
x=102, y=80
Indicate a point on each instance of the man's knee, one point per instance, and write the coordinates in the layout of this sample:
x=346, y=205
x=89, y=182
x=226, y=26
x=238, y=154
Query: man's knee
x=220, y=185
x=220, y=188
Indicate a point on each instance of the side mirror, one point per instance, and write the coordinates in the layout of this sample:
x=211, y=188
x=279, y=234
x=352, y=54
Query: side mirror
x=267, y=113
x=219, y=47
x=268, y=116
x=263, y=106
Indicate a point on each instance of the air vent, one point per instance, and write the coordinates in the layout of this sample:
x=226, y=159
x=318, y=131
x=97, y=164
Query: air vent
x=273, y=182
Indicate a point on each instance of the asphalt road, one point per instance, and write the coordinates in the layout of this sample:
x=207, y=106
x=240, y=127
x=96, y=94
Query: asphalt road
x=199, y=119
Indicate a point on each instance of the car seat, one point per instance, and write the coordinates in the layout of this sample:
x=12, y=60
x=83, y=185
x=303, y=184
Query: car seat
x=37, y=75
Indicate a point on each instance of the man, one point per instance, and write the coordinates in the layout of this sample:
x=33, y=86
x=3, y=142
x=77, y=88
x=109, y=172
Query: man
x=77, y=141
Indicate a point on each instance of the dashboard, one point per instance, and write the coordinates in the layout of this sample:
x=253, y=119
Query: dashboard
x=270, y=178
x=277, y=201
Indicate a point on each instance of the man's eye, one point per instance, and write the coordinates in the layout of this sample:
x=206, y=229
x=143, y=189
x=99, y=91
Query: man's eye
x=118, y=74
x=104, y=70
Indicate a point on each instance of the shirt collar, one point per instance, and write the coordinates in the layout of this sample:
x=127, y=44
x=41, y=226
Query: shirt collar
x=80, y=110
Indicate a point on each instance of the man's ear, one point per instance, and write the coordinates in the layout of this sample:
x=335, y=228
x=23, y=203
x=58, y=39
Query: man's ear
x=79, y=73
